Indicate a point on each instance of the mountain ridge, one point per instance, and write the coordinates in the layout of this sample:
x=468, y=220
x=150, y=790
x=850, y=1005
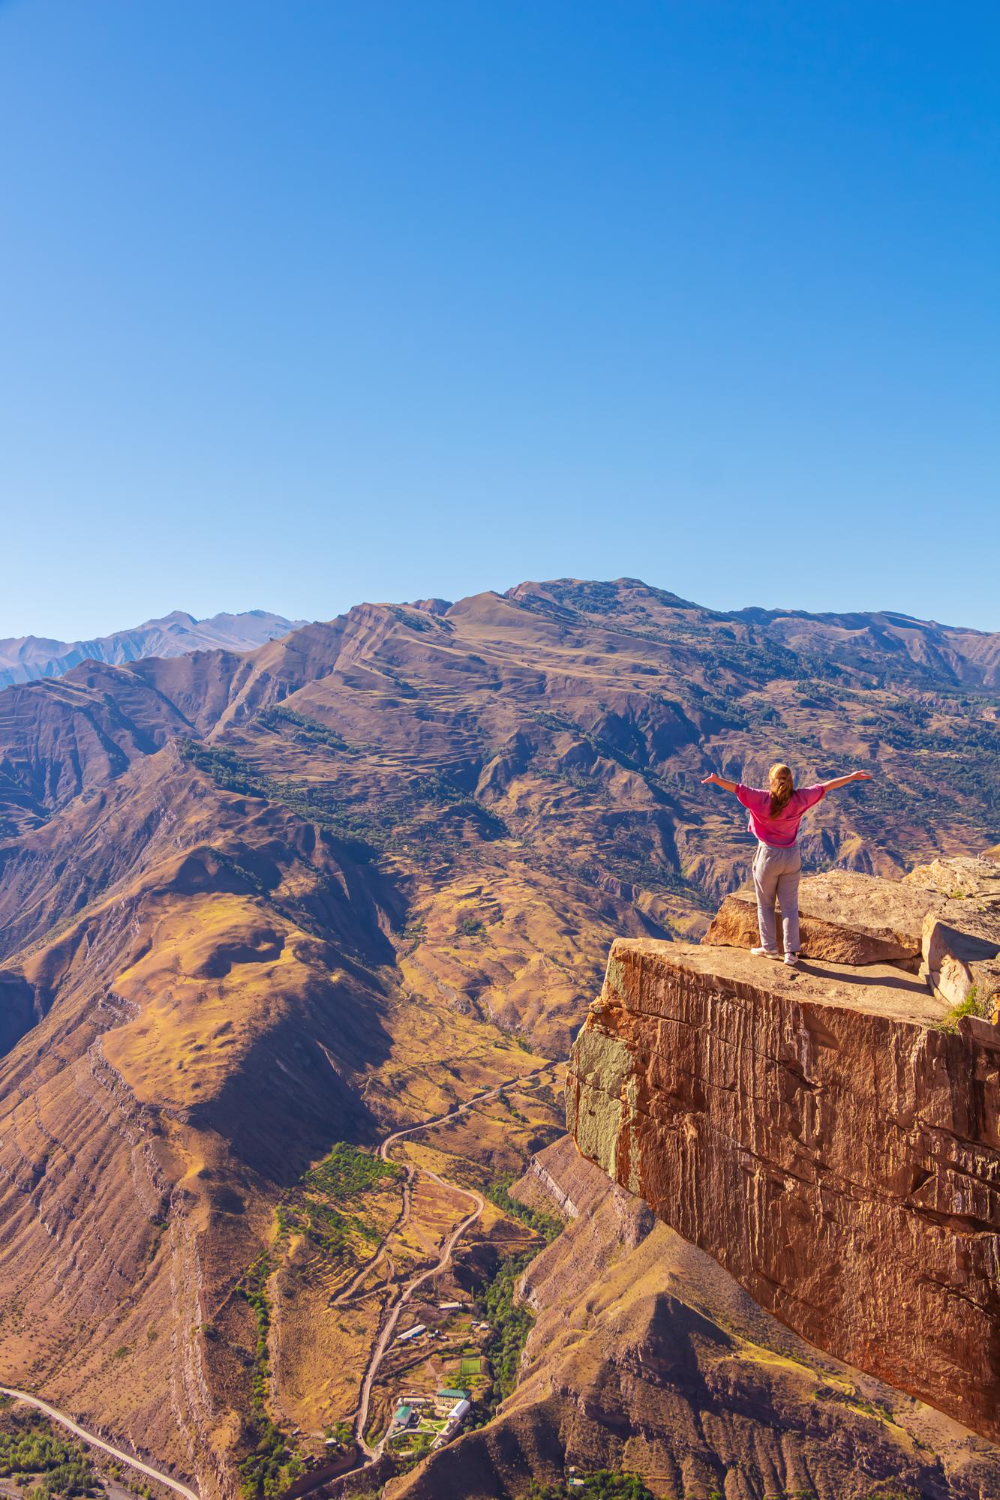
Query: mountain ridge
x=257, y=906
x=29, y=657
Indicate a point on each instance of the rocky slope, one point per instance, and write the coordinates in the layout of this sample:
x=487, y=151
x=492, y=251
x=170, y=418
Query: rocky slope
x=25, y=658
x=829, y=1134
x=253, y=905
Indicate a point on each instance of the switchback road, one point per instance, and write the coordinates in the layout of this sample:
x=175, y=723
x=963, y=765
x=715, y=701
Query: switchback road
x=447, y=1249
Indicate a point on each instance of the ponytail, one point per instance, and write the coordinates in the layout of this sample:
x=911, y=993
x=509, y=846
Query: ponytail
x=782, y=786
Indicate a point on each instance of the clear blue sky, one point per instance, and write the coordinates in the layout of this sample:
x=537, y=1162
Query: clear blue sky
x=311, y=301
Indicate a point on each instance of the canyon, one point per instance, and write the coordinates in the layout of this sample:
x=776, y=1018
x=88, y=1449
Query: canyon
x=261, y=908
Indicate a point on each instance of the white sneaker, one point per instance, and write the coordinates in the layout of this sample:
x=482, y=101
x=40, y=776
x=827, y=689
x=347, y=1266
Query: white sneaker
x=765, y=953
x=792, y=959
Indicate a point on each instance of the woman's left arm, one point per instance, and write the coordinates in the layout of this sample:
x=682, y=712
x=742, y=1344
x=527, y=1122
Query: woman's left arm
x=727, y=786
x=831, y=786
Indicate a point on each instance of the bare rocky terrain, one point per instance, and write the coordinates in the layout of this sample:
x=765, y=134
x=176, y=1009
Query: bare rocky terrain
x=646, y=1357
x=256, y=907
x=828, y=1132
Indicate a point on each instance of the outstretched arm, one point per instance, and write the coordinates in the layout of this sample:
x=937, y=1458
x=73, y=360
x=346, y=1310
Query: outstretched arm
x=727, y=786
x=831, y=786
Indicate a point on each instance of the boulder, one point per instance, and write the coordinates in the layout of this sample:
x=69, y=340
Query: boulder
x=941, y=921
x=960, y=877
x=845, y=917
x=960, y=946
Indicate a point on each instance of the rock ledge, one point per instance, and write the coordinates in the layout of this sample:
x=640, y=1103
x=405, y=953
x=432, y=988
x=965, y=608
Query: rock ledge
x=829, y=1135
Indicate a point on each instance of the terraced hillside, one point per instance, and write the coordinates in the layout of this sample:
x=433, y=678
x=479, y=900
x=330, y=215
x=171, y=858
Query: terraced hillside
x=256, y=906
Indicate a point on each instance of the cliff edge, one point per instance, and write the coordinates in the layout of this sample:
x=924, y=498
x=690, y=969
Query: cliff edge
x=829, y=1134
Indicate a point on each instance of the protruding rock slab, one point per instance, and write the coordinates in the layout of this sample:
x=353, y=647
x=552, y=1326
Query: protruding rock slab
x=846, y=918
x=942, y=921
x=960, y=877
x=824, y=1138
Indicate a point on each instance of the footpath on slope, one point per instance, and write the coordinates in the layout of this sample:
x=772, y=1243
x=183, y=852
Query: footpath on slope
x=382, y=1343
x=371, y=1455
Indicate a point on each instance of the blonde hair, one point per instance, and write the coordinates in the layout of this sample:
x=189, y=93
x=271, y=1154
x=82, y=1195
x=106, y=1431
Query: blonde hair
x=782, y=786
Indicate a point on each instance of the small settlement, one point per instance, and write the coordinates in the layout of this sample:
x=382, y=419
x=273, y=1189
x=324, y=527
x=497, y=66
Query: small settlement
x=438, y=1371
x=428, y=1421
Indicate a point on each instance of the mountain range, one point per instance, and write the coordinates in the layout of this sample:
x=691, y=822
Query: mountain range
x=25, y=658
x=260, y=910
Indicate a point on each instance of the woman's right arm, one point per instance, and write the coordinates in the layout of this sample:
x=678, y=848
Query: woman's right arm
x=727, y=786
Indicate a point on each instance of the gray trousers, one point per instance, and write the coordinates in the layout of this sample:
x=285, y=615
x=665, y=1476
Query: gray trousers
x=776, y=874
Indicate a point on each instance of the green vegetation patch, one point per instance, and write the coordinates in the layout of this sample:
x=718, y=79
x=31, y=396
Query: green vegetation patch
x=602, y=1485
x=227, y=769
x=305, y=731
x=29, y=1450
x=974, y=1004
x=510, y=1323
x=498, y=1192
x=271, y=1466
x=328, y=1204
x=349, y=1172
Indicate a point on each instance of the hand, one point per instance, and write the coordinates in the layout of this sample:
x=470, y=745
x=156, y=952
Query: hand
x=861, y=776
x=710, y=777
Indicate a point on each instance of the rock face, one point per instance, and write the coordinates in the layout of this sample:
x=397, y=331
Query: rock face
x=255, y=905
x=960, y=938
x=829, y=1136
x=645, y=1356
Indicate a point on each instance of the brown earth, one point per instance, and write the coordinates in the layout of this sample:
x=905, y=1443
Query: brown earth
x=254, y=905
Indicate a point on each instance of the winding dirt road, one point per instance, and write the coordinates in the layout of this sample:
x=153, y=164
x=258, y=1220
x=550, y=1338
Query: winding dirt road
x=447, y=1249
x=96, y=1442
x=385, y=1336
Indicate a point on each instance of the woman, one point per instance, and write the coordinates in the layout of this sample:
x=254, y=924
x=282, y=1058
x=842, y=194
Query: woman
x=774, y=819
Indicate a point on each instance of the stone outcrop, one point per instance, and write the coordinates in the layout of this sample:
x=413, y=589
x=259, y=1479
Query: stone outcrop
x=846, y=917
x=829, y=1135
x=960, y=938
x=942, y=921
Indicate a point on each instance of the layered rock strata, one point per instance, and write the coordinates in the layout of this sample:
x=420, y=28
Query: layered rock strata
x=646, y=1357
x=829, y=1135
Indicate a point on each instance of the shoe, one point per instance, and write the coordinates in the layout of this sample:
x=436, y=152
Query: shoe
x=765, y=953
x=792, y=960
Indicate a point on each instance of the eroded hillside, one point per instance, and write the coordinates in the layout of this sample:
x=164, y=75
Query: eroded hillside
x=256, y=906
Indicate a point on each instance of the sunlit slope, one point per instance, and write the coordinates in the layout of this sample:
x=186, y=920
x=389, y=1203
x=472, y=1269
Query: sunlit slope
x=254, y=906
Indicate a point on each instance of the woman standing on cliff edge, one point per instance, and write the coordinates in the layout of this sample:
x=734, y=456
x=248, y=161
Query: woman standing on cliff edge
x=775, y=816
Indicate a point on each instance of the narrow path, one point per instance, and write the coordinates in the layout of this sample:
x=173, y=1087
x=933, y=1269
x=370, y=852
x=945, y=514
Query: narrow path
x=96, y=1442
x=447, y=1250
x=460, y=1109
x=385, y=1337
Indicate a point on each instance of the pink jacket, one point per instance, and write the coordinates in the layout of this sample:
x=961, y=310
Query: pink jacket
x=783, y=830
